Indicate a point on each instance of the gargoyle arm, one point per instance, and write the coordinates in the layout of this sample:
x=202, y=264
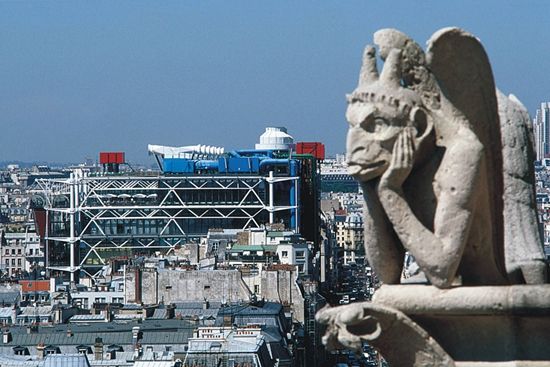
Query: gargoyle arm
x=382, y=246
x=439, y=253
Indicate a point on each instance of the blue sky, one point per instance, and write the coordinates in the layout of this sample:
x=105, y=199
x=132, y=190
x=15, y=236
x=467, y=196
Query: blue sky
x=78, y=77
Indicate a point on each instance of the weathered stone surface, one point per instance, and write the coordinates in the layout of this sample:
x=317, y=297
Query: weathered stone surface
x=167, y=285
x=496, y=324
x=445, y=163
x=530, y=300
x=493, y=323
x=503, y=364
x=425, y=142
x=525, y=261
x=403, y=342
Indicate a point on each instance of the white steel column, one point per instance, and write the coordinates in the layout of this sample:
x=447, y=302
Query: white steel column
x=296, y=198
x=271, y=200
x=72, y=199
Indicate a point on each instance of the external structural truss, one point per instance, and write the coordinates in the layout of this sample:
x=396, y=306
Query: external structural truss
x=92, y=219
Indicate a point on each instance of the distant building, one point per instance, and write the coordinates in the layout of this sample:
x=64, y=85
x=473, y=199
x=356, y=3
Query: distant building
x=350, y=235
x=541, y=128
x=35, y=291
x=12, y=253
x=112, y=344
x=230, y=346
x=153, y=285
x=90, y=219
x=335, y=177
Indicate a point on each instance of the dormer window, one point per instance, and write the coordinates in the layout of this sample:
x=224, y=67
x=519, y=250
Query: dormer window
x=21, y=351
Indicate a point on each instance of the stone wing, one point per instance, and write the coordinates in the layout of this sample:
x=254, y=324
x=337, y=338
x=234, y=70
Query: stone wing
x=462, y=69
x=524, y=253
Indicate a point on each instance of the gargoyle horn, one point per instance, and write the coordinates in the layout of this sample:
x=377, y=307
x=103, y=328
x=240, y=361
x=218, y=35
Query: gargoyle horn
x=391, y=73
x=369, y=72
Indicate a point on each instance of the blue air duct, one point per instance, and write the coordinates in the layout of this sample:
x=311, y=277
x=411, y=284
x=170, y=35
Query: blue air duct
x=254, y=153
x=206, y=165
x=274, y=162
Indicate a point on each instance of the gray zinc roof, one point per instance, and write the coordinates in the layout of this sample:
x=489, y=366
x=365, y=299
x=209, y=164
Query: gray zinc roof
x=9, y=297
x=66, y=360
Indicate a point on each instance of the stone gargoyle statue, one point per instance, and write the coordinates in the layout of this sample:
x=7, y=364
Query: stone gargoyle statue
x=445, y=162
x=427, y=142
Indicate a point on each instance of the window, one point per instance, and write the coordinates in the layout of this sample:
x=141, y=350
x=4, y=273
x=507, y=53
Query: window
x=285, y=253
x=31, y=251
x=12, y=262
x=256, y=289
x=21, y=351
x=50, y=351
x=18, y=251
x=7, y=262
x=18, y=262
x=7, y=252
x=13, y=251
x=206, y=287
x=300, y=254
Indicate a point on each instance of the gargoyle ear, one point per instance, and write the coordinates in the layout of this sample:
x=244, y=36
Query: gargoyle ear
x=422, y=123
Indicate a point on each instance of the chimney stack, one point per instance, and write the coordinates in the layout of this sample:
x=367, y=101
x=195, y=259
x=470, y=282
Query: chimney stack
x=135, y=334
x=107, y=313
x=138, y=351
x=98, y=349
x=40, y=350
x=14, y=312
x=6, y=336
x=170, y=311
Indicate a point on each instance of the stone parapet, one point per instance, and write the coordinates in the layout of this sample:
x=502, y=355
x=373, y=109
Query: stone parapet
x=498, y=324
x=527, y=300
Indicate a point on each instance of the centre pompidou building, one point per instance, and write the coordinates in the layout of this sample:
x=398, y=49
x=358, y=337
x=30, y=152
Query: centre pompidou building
x=89, y=219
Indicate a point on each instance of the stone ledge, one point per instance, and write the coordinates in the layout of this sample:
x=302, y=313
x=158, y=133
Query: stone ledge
x=504, y=364
x=528, y=300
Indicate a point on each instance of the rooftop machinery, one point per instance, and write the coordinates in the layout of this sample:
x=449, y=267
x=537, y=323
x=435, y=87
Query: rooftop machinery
x=277, y=165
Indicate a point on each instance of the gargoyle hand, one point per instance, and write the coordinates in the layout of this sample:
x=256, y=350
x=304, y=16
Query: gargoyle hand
x=401, y=162
x=348, y=326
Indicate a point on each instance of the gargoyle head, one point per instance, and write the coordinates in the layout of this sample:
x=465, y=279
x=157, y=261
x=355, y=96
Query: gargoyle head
x=379, y=109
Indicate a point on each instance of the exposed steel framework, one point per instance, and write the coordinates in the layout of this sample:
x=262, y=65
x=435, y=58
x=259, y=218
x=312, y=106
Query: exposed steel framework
x=91, y=219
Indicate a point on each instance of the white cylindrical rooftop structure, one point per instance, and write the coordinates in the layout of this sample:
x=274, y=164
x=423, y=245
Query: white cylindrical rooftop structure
x=276, y=138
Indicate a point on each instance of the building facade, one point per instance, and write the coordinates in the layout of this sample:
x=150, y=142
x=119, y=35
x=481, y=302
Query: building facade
x=90, y=219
